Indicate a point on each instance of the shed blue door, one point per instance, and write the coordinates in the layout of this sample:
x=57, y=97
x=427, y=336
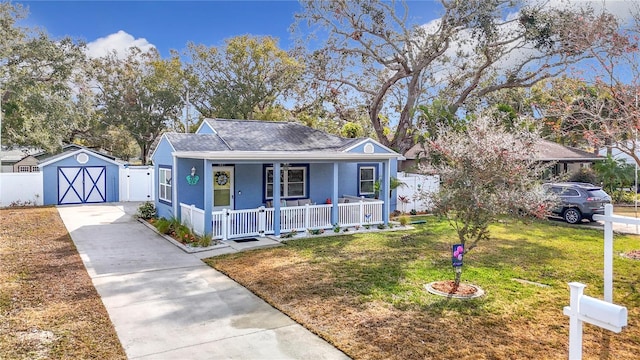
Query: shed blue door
x=82, y=184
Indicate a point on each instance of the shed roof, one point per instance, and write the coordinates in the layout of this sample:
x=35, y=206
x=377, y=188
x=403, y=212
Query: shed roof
x=70, y=153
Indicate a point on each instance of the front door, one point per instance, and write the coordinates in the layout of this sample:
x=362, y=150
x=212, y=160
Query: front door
x=222, y=188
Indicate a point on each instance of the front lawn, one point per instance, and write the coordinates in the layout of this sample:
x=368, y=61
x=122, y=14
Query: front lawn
x=365, y=292
x=49, y=308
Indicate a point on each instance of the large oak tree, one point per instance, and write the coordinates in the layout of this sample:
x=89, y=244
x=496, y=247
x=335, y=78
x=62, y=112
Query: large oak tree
x=247, y=77
x=38, y=84
x=375, y=53
x=140, y=93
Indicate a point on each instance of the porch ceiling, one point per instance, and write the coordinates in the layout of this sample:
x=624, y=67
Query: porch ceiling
x=282, y=156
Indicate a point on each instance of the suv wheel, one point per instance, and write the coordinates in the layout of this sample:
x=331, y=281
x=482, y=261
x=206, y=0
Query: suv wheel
x=572, y=216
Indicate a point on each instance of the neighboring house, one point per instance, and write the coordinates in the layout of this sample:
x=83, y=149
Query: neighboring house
x=13, y=159
x=566, y=160
x=221, y=180
x=78, y=176
x=27, y=164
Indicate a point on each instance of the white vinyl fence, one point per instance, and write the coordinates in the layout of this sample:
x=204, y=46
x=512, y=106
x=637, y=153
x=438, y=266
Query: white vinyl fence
x=417, y=186
x=136, y=183
x=21, y=189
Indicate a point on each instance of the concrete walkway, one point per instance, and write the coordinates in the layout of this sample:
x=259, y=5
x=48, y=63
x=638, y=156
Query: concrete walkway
x=166, y=304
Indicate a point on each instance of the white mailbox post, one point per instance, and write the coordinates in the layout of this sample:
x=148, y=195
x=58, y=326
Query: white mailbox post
x=609, y=219
x=594, y=311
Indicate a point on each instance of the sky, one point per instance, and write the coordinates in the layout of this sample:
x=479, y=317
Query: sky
x=172, y=24
x=164, y=24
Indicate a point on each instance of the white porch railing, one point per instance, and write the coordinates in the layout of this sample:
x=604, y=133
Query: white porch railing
x=192, y=217
x=360, y=213
x=231, y=224
x=305, y=217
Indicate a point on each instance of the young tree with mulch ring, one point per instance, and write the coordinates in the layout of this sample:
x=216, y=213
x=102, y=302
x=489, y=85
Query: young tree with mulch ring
x=487, y=169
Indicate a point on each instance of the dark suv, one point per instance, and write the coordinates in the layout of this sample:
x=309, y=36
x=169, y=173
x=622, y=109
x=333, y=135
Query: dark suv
x=578, y=200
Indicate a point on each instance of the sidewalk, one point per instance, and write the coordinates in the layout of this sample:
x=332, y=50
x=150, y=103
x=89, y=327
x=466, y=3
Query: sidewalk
x=166, y=304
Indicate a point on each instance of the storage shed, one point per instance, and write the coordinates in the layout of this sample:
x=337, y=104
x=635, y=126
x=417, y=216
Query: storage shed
x=80, y=177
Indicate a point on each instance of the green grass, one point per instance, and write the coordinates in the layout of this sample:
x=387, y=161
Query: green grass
x=388, y=270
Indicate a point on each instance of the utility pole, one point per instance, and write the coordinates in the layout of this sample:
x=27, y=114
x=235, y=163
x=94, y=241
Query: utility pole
x=186, y=127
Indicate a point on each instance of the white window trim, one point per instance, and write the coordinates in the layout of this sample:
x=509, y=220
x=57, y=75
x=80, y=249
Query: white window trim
x=34, y=168
x=24, y=168
x=167, y=187
x=373, y=181
x=285, y=182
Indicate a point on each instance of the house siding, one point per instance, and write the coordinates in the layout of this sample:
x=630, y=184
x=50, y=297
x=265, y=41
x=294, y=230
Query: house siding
x=205, y=128
x=162, y=157
x=189, y=194
x=29, y=161
x=249, y=186
x=377, y=149
x=320, y=182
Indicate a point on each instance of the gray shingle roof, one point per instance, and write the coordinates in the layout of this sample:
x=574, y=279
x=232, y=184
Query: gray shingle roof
x=196, y=142
x=547, y=151
x=550, y=151
x=253, y=135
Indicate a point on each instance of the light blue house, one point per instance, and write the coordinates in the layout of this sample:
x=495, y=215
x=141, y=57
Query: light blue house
x=221, y=181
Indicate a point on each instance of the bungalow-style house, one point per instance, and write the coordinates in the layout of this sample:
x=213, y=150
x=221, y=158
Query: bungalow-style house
x=566, y=160
x=220, y=180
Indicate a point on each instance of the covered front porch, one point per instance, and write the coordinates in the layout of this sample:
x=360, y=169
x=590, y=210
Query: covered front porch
x=245, y=199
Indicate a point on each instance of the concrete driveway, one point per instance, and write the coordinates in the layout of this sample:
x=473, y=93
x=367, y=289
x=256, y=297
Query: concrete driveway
x=166, y=304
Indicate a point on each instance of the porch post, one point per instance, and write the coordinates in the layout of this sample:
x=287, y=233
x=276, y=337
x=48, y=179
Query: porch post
x=175, y=202
x=386, y=189
x=334, y=195
x=207, y=182
x=276, y=198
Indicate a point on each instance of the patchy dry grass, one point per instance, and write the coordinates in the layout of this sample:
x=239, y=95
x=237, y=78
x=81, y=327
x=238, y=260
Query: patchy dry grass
x=49, y=308
x=365, y=292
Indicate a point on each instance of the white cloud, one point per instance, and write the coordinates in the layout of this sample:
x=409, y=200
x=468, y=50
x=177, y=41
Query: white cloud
x=119, y=42
x=623, y=9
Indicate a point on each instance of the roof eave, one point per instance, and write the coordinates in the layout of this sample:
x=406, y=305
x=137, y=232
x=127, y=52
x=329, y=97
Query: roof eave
x=281, y=155
x=573, y=159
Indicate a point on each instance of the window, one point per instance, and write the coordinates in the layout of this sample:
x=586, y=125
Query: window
x=366, y=180
x=164, y=184
x=570, y=192
x=34, y=168
x=24, y=168
x=293, y=182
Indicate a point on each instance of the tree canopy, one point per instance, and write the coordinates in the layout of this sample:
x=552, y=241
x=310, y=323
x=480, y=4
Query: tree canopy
x=37, y=77
x=141, y=93
x=378, y=55
x=247, y=76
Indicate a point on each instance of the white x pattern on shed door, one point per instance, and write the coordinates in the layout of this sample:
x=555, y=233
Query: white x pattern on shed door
x=84, y=184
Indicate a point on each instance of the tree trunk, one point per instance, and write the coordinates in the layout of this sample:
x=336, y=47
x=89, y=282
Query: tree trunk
x=457, y=279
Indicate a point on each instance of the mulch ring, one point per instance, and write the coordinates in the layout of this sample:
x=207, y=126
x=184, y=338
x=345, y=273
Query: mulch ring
x=633, y=254
x=448, y=288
